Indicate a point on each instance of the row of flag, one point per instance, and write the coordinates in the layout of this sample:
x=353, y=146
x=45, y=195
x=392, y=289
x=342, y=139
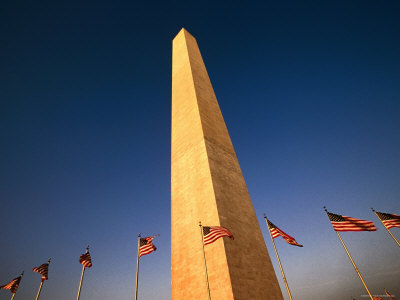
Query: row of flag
x=145, y=246
x=212, y=233
x=340, y=224
x=343, y=223
x=85, y=260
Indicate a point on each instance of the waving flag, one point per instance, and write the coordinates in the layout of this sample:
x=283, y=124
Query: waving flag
x=12, y=285
x=86, y=260
x=343, y=223
x=390, y=296
x=275, y=232
x=213, y=233
x=146, y=246
x=43, y=270
x=389, y=220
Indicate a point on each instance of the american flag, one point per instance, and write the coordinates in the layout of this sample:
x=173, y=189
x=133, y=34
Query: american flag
x=343, y=223
x=86, y=260
x=389, y=220
x=275, y=232
x=12, y=285
x=390, y=296
x=213, y=233
x=146, y=246
x=43, y=270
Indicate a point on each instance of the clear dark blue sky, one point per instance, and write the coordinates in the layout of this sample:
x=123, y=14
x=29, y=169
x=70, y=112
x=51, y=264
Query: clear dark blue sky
x=310, y=91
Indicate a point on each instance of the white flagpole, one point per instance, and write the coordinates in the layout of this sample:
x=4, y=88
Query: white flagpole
x=354, y=265
x=205, y=262
x=83, y=272
x=137, y=268
x=352, y=261
x=40, y=289
x=80, y=283
x=279, y=261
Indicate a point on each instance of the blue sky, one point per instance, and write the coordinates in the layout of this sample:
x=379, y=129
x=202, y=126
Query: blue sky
x=310, y=93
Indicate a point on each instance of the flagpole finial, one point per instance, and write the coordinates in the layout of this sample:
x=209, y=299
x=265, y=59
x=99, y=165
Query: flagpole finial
x=139, y=234
x=200, y=223
x=22, y=274
x=325, y=209
x=265, y=216
x=372, y=209
x=87, y=248
x=49, y=260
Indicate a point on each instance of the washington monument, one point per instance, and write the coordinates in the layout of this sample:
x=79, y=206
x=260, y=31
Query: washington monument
x=207, y=185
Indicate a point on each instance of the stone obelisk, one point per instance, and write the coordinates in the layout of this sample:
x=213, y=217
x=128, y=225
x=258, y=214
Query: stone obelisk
x=207, y=185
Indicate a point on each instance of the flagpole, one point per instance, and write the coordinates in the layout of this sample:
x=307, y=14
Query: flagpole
x=40, y=289
x=279, y=261
x=205, y=263
x=352, y=261
x=80, y=283
x=137, y=268
x=354, y=265
x=41, y=284
x=83, y=272
x=391, y=234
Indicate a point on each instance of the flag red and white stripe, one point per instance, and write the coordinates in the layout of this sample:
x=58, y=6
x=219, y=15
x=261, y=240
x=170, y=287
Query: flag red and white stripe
x=146, y=246
x=275, y=232
x=343, y=223
x=213, y=233
x=390, y=296
x=43, y=270
x=12, y=285
x=389, y=220
x=86, y=260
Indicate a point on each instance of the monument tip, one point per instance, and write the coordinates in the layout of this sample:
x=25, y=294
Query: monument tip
x=184, y=32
